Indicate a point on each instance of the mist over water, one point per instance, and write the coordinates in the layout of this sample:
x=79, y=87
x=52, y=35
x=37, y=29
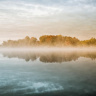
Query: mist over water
x=48, y=72
x=50, y=55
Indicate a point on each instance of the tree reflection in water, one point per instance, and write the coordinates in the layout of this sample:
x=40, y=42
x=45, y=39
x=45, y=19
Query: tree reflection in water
x=50, y=56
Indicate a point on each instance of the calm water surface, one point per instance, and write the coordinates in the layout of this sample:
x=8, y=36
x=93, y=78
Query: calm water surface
x=44, y=73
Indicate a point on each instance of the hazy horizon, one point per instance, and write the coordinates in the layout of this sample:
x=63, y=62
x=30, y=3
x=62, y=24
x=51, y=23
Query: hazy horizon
x=49, y=47
x=34, y=18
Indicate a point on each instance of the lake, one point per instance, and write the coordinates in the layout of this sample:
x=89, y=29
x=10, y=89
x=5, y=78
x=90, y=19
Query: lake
x=48, y=73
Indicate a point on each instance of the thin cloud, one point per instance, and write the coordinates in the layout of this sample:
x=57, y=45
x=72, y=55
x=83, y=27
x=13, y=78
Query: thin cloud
x=22, y=15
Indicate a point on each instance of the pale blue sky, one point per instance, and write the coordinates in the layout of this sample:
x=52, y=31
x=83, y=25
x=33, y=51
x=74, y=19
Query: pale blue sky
x=19, y=18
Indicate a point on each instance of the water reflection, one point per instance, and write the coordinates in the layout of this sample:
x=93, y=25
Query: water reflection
x=21, y=78
x=50, y=56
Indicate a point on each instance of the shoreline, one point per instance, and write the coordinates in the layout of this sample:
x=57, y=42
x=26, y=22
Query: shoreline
x=47, y=49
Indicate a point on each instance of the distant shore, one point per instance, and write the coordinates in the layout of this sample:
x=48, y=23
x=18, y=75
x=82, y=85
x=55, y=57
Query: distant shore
x=46, y=49
x=45, y=41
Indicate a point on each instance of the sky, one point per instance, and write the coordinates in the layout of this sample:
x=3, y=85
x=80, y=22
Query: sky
x=20, y=18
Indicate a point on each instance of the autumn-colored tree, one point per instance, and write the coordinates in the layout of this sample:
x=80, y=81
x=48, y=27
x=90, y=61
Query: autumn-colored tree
x=49, y=40
x=33, y=41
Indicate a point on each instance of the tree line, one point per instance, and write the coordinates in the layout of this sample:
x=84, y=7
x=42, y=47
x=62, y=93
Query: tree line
x=49, y=40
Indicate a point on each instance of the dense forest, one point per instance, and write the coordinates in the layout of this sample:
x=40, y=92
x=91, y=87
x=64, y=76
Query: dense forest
x=50, y=41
